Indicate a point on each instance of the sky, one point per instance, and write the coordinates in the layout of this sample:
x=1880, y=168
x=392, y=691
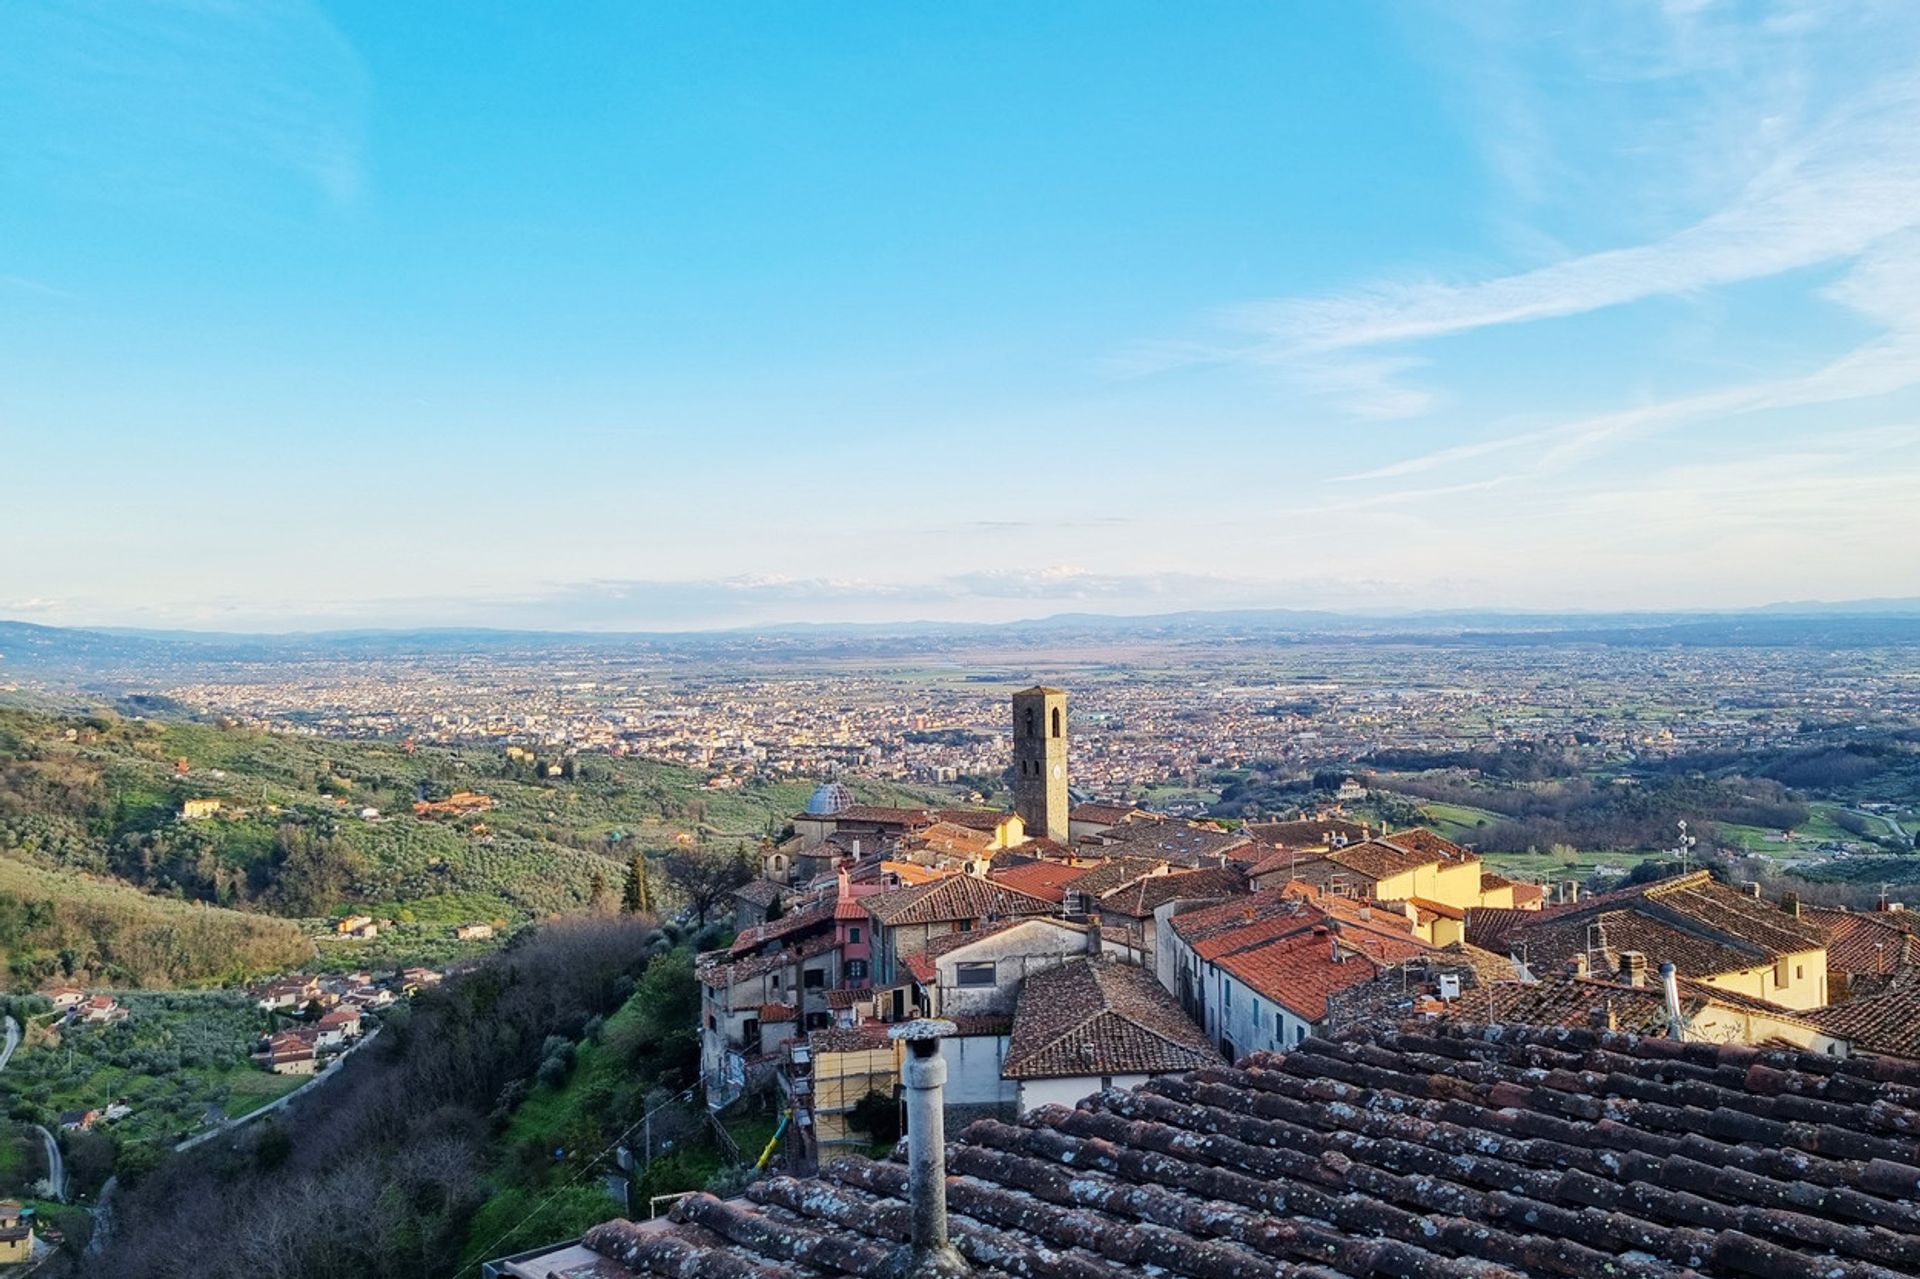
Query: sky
x=673, y=315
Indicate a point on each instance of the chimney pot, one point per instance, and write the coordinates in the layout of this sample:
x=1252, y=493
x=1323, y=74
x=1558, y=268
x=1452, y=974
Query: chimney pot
x=1790, y=903
x=1670, y=983
x=1577, y=966
x=1633, y=968
x=923, y=1075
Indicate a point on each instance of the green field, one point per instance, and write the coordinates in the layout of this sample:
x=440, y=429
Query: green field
x=173, y=1057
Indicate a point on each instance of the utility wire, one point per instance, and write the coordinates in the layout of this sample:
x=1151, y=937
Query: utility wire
x=677, y=1099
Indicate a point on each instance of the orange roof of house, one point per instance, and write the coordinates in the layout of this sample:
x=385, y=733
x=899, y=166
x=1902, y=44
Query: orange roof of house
x=1299, y=973
x=1041, y=879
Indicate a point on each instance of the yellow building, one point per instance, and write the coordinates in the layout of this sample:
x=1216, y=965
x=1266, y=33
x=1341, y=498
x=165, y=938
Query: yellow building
x=16, y=1234
x=195, y=810
x=1411, y=866
x=1712, y=934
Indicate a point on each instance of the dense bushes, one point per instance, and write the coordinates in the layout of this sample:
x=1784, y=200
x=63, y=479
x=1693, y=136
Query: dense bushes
x=377, y=1172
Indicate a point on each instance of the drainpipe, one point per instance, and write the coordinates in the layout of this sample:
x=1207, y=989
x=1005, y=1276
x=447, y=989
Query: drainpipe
x=924, y=1076
x=1676, y=1025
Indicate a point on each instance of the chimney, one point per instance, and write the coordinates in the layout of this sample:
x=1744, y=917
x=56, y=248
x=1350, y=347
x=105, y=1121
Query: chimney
x=1093, y=936
x=1633, y=968
x=1753, y=888
x=1577, y=966
x=1790, y=902
x=1670, y=982
x=1573, y=890
x=1601, y=1017
x=923, y=1074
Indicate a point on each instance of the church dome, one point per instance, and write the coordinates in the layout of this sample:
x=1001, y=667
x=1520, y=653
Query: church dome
x=830, y=798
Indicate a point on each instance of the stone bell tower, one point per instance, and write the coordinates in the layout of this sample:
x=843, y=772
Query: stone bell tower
x=1040, y=762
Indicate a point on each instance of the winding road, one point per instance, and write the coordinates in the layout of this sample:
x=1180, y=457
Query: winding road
x=56, y=1166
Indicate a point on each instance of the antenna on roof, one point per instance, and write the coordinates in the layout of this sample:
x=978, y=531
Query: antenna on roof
x=1685, y=847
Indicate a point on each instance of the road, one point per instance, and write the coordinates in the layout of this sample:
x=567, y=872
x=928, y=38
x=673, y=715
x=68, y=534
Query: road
x=278, y=1102
x=56, y=1166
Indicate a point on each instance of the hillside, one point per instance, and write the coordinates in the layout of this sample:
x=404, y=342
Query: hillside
x=307, y=827
x=59, y=923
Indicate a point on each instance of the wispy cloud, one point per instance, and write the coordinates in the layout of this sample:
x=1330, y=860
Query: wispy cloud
x=206, y=106
x=1829, y=171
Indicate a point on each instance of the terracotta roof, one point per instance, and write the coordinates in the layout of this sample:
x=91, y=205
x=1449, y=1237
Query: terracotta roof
x=717, y=974
x=778, y=1012
x=814, y=915
x=951, y=837
x=1040, y=879
x=1888, y=1022
x=1701, y=926
x=1307, y=832
x=1098, y=1017
x=1299, y=973
x=1377, y=859
x=1867, y=943
x=956, y=897
x=1113, y=875
x=1461, y=1152
x=880, y=815
x=986, y=819
x=1142, y=897
x=1419, y=839
x=1175, y=841
x=1441, y=909
x=849, y=908
x=760, y=892
x=850, y=1039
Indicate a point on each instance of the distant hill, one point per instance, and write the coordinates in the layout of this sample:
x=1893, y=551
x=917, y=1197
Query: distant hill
x=108, y=654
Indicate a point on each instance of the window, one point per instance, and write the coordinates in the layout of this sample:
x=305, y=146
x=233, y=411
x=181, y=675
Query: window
x=1280, y=1027
x=1031, y=732
x=1226, y=996
x=1780, y=973
x=813, y=978
x=975, y=974
x=1799, y=972
x=1056, y=721
x=819, y=1021
x=1299, y=1033
x=853, y=935
x=856, y=969
x=750, y=1032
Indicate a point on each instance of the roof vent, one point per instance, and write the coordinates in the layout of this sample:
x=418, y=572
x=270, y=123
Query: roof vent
x=923, y=1074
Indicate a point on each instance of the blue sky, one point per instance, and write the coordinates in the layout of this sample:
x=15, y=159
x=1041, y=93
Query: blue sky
x=667, y=315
